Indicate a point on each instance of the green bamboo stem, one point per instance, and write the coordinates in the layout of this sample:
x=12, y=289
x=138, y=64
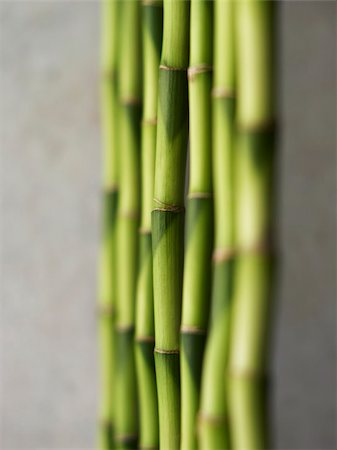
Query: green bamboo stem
x=199, y=240
x=152, y=19
x=213, y=426
x=248, y=407
x=130, y=85
x=168, y=215
x=253, y=221
x=107, y=277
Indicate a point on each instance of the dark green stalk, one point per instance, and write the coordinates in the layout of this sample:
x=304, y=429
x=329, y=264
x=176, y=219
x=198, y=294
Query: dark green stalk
x=168, y=215
x=130, y=85
x=107, y=288
x=198, y=250
x=253, y=221
x=152, y=20
x=213, y=426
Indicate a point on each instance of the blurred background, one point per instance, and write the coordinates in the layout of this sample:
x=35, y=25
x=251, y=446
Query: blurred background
x=50, y=217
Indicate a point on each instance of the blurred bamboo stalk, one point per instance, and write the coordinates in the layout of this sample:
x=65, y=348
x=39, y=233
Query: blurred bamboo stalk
x=253, y=220
x=130, y=88
x=248, y=408
x=213, y=424
x=152, y=21
x=199, y=235
x=168, y=215
x=107, y=276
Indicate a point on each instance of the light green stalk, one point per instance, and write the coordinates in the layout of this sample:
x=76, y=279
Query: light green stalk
x=253, y=221
x=213, y=426
x=130, y=86
x=107, y=287
x=199, y=245
x=147, y=388
x=168, y=216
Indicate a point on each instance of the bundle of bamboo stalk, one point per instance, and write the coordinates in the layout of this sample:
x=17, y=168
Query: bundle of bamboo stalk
x=184, y=308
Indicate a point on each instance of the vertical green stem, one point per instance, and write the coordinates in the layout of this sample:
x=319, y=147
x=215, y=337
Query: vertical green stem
x=152, y=20
x=168, y=215
x=130, y=86
x=253, y=221
x=199, y=236
x=213, y=427
x=107, y=278
x=248, y=413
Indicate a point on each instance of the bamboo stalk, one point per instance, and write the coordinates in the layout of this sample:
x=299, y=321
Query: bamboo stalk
x=199, y=243
x=253, y=221
x=130, y=85
x=213, y=427
x=168, y=215
x=248, y=414
x=152, y=20
x=107, y=276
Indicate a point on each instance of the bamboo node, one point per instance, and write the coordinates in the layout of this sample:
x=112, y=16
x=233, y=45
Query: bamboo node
x=257, y=127
x=108, y=75
x=152, y=121
x=152, y=3
x=223, y=254
x=195, y=70
x=130, y=101
x=105, y=423
x=146, y=339
x=132, y=215
x=144, y=230
x=191, y=329
x=267, y=126
x=212, y=419
x=220, y=92
x=167, y=208
x=110, y=189
x=167, y=352
x=174, y=69
x=126, y=438
x=200, y=195
x=126, y=328
x=106, y=310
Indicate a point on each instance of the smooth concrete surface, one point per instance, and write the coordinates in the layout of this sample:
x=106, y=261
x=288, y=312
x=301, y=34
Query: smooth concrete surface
x=50, y=215
x=304, y=366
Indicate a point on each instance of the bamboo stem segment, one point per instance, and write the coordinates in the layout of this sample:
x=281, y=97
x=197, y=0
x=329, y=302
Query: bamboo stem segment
x=168, y=215
x=213, y=424
x=152, y=20
x=254, y=166
x=199, y=235
x=108, y=276
x=253, y=220
x=130, y=83
x=248, y=408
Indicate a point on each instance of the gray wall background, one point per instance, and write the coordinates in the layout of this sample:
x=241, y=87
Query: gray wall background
x=50, y=206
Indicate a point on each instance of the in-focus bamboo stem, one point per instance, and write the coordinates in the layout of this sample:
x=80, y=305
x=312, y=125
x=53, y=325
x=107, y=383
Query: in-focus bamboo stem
x=130, y=86
x=168, y=215
x=199, y=236
x=152, y=20
x=107, y=287
x=213, y=426
x=253, y=221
